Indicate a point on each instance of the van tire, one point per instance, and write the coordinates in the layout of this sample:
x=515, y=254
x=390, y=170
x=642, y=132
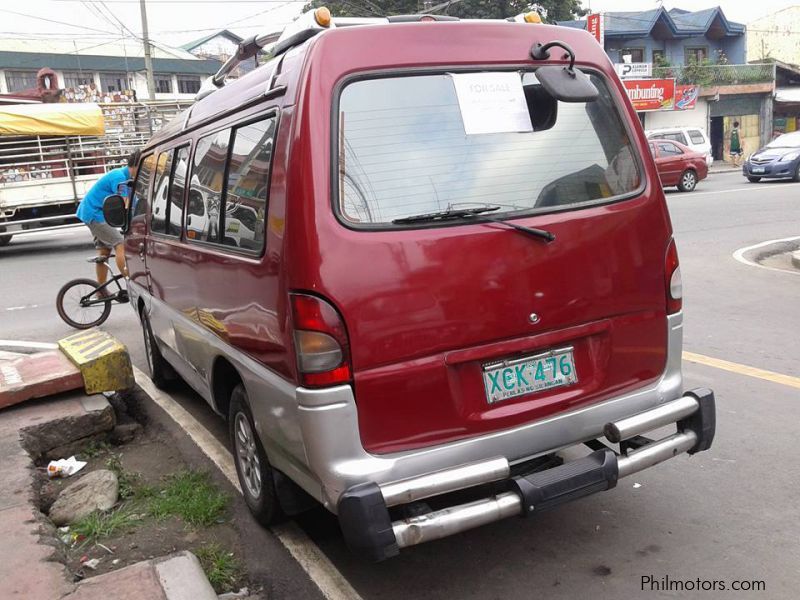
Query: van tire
x=252, y=466
x=5, y=240
x=754, y=179
x=161, y=373
x=688, y=181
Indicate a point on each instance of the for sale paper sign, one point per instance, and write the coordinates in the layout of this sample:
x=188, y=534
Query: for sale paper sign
x=492, y=103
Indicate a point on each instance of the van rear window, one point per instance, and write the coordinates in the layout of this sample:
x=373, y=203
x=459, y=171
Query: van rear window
x=403, y=151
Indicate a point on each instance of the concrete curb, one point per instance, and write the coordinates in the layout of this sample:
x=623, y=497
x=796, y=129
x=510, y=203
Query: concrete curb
x=178, y=576
x=713, y=171
x=27, y=568
x=796, y=259
x=27, y=565
x=182, y=577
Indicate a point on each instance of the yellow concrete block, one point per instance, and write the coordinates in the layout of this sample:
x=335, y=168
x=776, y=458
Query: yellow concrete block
x=103, y=361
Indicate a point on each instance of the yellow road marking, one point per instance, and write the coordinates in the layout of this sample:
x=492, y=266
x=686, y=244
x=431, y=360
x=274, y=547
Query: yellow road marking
x=733, y=367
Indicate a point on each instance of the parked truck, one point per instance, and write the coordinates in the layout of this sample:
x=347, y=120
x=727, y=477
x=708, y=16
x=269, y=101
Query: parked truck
x=51, y=154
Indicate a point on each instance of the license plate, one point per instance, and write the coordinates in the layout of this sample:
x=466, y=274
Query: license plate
x=758, y=170
x=511, y=378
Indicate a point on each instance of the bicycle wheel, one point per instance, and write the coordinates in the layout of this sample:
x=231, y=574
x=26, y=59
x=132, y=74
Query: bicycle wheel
x=68, y=304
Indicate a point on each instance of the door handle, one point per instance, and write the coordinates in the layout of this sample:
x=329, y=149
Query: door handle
x=141, y=250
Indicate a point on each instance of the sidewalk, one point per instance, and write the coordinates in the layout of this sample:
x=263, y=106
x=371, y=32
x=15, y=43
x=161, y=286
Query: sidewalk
x=29, y=566
x=721, y=166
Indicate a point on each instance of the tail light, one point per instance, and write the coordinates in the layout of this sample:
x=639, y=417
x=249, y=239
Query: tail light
x=321, y=343
x=672, y=279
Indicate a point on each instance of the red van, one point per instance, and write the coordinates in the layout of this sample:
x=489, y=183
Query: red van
x=375, y=258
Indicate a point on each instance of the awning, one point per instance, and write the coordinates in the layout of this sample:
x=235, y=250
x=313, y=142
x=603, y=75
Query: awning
x=51, y=119
x=787, y=94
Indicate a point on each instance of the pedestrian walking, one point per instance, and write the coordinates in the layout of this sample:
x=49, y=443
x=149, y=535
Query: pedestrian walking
x=736, y=145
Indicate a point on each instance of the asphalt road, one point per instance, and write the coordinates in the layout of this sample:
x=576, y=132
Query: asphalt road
x=724, y=515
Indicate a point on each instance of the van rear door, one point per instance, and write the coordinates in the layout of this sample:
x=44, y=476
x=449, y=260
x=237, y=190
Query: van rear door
x=458, y=326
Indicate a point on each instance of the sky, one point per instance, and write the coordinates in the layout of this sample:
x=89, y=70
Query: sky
x=741, y=11
x=175, y=22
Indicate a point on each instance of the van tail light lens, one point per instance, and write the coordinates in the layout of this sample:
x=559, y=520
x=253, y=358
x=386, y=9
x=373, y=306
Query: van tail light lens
x=672, y=279
x=321, y=342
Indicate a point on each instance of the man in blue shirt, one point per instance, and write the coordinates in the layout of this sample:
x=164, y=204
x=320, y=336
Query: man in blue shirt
x=90, y=211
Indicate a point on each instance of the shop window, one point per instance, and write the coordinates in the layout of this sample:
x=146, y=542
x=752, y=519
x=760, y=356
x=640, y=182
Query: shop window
x=696, y=55
x=73, y=79
x=636, y=54
x=114, y=82
x=17, y=81
x=188, y=84
x=163, y=83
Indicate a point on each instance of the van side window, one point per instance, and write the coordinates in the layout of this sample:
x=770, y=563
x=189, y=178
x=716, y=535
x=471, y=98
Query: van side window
x=141, y=188
x=676, y=137
x=176, y=190
x=158, y=222
x=696, y=136
x=205, y=190
x=248, y=181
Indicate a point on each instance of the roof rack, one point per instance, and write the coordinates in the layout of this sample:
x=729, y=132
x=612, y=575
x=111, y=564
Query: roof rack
x=310, y=24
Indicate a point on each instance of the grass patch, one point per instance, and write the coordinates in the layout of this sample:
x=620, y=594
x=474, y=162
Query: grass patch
x=94, y=449
x=104, y=524
x=128, y=481
x=221, y=567
x=189, y=495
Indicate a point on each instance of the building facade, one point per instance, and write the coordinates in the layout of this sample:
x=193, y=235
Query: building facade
x=220, y=46
x=701, y=51
x=106, y=72
x=775, y=37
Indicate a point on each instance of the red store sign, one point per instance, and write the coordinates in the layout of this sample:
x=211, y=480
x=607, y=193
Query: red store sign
x=651, y=94
x=595, y=26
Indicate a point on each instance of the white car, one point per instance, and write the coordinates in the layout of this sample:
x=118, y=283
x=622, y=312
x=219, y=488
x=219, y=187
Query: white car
x=693, y=137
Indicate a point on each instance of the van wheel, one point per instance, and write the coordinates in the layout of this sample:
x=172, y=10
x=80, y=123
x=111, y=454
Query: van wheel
x=160, y=371
x=754, y=179
x=252, y=466
x=688, y=181
x=4, y=240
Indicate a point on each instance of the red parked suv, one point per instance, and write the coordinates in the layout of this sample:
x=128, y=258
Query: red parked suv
x=373, y=256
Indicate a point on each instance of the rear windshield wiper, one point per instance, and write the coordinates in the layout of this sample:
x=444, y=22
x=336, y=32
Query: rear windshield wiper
x=450, y=213
x=475, y=214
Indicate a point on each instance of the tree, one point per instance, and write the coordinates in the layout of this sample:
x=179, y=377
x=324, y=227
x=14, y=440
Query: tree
x=551, y=10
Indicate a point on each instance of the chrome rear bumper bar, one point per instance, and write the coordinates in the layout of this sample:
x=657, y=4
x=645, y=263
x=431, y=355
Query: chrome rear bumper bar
x=364, y=509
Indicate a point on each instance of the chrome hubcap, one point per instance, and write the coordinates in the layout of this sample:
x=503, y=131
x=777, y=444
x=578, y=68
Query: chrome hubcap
x=247, y=455
x=688, y=180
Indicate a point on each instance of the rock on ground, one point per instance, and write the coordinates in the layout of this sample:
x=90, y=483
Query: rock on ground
x=98, y=490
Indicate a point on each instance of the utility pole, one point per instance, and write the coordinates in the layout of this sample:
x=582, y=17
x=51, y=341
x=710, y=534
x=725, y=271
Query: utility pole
x=148, y=61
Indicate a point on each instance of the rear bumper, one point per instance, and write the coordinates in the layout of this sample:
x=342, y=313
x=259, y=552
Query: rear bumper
x=334, y=455
x=364, y=509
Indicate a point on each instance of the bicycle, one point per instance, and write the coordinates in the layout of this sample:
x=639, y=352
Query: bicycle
x=83, y=303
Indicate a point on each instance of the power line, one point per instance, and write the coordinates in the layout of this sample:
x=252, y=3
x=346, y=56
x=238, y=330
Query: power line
x=13, y=12
x=121, y=24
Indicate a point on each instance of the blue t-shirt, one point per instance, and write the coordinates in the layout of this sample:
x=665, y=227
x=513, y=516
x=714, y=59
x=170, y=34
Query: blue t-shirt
x=91, y=207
